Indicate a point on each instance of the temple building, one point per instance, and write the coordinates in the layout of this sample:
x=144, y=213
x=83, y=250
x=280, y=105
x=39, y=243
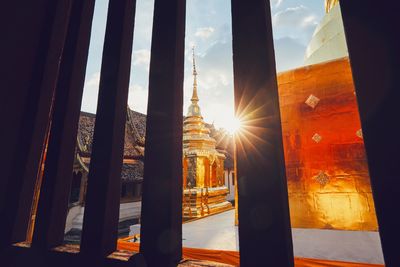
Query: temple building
x=132, y=168
x=210, y=185
x=133, y=163
x=204, y=190
x=131, y=172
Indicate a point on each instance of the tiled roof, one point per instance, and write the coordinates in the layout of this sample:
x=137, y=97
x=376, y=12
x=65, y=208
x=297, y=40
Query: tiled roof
x=136, y=123
x=85, y=131
x=131, y=148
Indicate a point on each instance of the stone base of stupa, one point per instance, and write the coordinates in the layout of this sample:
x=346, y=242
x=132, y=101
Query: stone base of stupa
x=200, y=202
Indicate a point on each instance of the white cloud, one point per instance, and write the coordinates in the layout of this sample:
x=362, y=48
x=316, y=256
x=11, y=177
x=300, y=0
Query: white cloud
x=310, y=20
x=137, y=99
x=276, y=3
x=204, y=33
x=294, y=17
x=141, y=57
x=219, y=113
x=143, y=23
x=215, y=82
x=214, y=68
x=90, y=93
x=289, y=53
x=290, y=16
x=93, y=81
x=297, y=22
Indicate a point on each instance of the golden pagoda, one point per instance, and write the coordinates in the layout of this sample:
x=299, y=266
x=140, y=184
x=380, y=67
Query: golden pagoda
x=204, y=190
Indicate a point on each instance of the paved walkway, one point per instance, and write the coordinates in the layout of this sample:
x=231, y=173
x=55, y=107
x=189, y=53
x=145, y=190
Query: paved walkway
x=218, y=232
x=213, y=232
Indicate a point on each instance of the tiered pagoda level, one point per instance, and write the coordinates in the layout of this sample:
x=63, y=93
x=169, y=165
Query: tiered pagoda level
x=204, y=190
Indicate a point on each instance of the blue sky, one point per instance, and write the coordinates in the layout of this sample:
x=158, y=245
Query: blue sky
x=208, y=27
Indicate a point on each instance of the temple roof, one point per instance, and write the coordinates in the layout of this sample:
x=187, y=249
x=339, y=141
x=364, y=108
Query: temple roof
x=137, y=125
x=135, y=130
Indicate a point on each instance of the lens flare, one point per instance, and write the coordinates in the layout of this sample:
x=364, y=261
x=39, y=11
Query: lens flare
x=232, y=125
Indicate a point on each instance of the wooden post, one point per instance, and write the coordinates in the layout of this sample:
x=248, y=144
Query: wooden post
x=373, y=42
x=161, y=228
x=100, y=224
x=55, y=189
x=264, y=222
x=33, y=36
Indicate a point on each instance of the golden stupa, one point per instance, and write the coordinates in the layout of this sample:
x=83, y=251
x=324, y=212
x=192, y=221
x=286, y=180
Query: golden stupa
x=204, y=190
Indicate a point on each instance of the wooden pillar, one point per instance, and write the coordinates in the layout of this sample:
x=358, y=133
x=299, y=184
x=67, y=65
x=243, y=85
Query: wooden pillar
x=100, y=224
x=161, y=221
x=373, y=42
x=56, y=183
x=264, y=223
x=33, y=36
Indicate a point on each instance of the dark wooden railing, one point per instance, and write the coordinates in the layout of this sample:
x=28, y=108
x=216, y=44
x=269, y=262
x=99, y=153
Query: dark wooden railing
x=264, y=225
x=34, y=37
x=56, y=182
x=43, y=56
x=100, y=224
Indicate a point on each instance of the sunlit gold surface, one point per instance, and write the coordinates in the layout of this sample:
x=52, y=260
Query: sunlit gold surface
x=328, y=179
x=36, y=193
x=200, y=202
x=203, y=166
x=329, y=4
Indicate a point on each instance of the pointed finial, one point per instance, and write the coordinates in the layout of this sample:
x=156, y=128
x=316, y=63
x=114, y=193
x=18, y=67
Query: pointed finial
x=329, y=4
x=194, y=62
x=195, y=97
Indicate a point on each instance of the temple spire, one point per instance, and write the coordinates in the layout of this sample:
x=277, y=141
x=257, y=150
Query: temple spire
x=195, y=97
x=329, y=4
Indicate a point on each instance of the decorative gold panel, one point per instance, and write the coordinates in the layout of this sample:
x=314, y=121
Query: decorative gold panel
x=327, y=172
